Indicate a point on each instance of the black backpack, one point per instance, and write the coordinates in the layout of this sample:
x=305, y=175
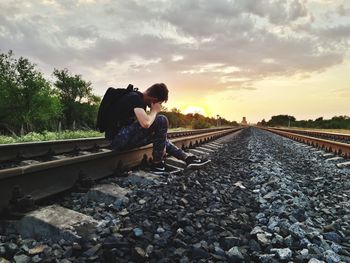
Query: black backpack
x=109, y=117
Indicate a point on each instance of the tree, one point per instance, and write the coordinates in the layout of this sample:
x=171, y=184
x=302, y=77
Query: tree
x=262, y=123
x=26, y=98
x=79, y=104
x=281, y=120
x=176, y=110
x=336, y=122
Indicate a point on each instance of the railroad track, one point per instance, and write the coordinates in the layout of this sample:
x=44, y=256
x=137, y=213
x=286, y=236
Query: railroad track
x=23, y=151
x=21, y=186
x=206, y=215
x=339, y=137
x=331, y=145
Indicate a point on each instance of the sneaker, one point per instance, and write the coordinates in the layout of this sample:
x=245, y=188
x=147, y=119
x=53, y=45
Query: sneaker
x=158, y=168
x=195, y=162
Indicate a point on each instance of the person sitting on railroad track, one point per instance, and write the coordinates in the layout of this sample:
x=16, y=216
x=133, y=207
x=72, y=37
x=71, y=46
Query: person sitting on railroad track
x=141, y=128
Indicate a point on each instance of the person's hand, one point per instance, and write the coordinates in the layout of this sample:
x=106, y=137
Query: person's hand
x=156, y=107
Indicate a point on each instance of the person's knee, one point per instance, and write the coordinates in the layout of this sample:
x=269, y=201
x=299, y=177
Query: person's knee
x=161, y=121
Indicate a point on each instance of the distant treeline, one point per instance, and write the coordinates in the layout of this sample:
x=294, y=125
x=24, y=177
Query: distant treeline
x=337, y=122
x=195, y=121
x=29, y=102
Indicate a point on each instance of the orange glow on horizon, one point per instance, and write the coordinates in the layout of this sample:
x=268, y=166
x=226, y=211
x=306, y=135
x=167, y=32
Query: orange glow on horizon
x=194, y=109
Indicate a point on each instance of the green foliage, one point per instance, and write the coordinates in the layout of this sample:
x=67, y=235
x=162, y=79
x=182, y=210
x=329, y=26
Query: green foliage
x=72, y=88
x=337, y=122
x=26, y=98
x=6, y=139
x=194, y=121
x=176, y=119
x=262, y=123
x=49, y=136
x=200, y=124
x=281, y=120
x=79, y=104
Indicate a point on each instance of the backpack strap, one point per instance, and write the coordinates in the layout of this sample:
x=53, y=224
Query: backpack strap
x=130, y=88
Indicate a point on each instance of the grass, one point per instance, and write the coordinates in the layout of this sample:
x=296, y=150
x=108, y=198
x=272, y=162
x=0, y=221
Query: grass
x=49, y=136
x=64, y=135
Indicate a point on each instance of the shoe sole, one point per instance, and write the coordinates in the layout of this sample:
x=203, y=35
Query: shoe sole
x=194, y=165
x=174, y=171
x=159, y=172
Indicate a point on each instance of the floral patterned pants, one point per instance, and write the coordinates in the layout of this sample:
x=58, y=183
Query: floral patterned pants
x=134, y=135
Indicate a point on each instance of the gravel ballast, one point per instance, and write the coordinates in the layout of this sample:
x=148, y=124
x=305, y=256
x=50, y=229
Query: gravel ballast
x=263, y=198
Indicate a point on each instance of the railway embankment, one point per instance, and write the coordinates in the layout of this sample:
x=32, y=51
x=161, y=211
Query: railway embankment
x=263, y=198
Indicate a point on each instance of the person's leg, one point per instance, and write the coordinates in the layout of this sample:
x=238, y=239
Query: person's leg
x=159, y=129
x=131, y=136
x=135, y=136
x=175, y=151
x=192, y=161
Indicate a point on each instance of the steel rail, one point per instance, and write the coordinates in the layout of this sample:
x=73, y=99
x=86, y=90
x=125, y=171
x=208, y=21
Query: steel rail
x=37, y=181
x=339, y=148
x=321, y=134
x=35, y=149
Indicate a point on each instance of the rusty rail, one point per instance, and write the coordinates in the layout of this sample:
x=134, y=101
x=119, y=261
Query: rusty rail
x=342, y=149
x=45, y=179
x=35, y=149
x=324, y=135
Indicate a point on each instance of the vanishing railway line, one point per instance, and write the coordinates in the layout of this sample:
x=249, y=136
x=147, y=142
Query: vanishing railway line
x=339, y=137
x=230, y=211
x=32, y=171
x=331, y=145
x=48, y=168
x=19, y=151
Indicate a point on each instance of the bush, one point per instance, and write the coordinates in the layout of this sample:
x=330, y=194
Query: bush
x=337, y=122
x=200, y=124
x=49, y=136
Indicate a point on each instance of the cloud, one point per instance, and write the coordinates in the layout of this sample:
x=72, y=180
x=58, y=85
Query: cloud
x=342, y=92
x=277, y=12
x=226, y=43
x=343, y=11
x=341, y=32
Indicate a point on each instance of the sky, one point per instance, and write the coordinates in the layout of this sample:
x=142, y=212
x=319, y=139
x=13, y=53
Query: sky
x=231, y=58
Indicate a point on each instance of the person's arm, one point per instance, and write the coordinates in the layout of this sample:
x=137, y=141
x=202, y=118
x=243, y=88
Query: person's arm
x=145, y=119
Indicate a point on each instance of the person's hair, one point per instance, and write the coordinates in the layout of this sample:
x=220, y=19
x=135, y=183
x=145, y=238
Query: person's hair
x=159, y=91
